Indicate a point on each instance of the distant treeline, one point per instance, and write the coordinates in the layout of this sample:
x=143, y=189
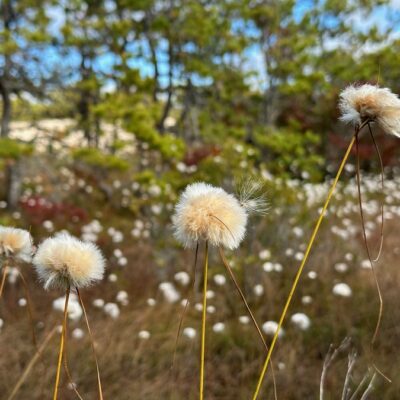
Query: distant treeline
x=182, y=72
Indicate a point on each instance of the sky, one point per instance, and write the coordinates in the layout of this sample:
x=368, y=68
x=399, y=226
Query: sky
x=254, y=59
x=381, y=17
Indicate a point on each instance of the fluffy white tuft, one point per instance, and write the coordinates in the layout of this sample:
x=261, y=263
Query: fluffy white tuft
x=16, y=243
x=251, y=196
x=64, y=260
x=205, y=212
x=358, y=104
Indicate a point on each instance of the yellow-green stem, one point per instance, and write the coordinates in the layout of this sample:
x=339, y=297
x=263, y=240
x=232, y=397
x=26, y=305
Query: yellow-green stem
x=203, y=324
x=3, y=279
x=300, y=270
x=60, y=355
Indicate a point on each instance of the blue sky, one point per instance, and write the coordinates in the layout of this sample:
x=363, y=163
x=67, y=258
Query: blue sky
x=382, y=17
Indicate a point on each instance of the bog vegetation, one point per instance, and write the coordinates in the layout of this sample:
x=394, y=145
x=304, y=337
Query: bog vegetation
x=113, y=113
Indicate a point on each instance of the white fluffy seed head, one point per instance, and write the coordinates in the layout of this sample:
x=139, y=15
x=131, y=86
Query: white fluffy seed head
x=252, y=197
x=205, y=212
x=63, y=260
x=358, y=104
x=15, y=243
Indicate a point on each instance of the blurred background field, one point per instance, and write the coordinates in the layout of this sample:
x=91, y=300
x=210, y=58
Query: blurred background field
x=110, y=108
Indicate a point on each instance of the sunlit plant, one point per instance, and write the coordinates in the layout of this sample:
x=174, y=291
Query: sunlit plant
x=64, y=262
x=361, y=106
x=205, y=213
x=16, y=245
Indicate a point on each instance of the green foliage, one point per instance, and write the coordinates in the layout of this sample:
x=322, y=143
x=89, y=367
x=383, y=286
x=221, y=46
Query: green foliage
x=24, y=34
x=13, y=149
x=141, y=124
x=182, y=74
x=96, y=158
x=291, y=152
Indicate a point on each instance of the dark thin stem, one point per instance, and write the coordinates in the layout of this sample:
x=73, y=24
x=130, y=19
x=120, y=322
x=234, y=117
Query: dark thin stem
x=383, y=191
x=232, y=275
x=223, y=223
x=378, y=323
x=29, y=307
x=186, y=305
x=366, y=244
x=92, y=344
x=67, y=371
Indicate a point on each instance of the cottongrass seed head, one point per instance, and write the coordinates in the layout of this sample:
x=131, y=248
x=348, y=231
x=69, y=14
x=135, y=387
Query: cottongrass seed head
x=252, y=196
x=358, y=104
x=206, y=212
x=64, y=261
x=15, y=243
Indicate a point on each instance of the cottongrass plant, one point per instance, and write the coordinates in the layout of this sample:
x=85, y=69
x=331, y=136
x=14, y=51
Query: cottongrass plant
x=65, y=262
x=205, y=213
x=16, y=245
x=361, y=106
x=364, y=388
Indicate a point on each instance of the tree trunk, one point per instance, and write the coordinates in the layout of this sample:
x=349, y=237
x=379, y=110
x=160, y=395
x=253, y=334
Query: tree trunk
x=152, y=45
x=14, y=184
x=156, y=71
x=188, y=120
x=168, y=104
x=6, y=110
x=167, y=107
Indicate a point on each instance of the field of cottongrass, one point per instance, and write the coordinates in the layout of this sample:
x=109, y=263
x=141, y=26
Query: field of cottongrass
x=135, y=311
x=199, y=200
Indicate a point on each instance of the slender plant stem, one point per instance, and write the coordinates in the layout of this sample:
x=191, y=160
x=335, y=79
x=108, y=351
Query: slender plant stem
x=374, y=275
x=31, y=363
x=352, y=358
x=369, y=389
x=252, y=317
x=29, y=307
x=92, y=344
x=60, y=355
x=378, y=323
x=383, y=193
x=67, y=371
x=203, y=324
x=3, y=279
x=186, y=305
x=232, y=276
x=303, y=262
x=360, y=386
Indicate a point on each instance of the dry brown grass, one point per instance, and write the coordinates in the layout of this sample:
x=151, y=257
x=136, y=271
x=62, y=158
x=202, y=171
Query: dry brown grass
x=137, y=369
x=132, y=368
